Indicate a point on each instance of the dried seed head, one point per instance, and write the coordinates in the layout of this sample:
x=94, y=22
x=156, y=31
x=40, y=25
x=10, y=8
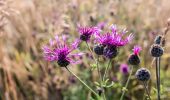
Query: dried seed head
x=158, y=39
x=143, y=74
x=156, y=50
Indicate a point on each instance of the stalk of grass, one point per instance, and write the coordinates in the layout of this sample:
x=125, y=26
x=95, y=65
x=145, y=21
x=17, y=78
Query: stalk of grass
x=20, y=86
x=88, y=87
x=146, y=89
x=158, y=77
x=126, y=85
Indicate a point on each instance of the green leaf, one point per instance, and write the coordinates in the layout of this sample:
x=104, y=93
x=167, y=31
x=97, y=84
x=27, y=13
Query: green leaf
x=106, y=81
x=110, y=85
x=96, y=83
x=154, y=89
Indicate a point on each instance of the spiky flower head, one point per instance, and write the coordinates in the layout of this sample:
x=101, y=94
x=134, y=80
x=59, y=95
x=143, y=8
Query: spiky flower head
x=124, y=68
x=143, y=74
x=112, y=40
x=136, y=50
x=87, y=32
x=58, y=50
x=134, y=58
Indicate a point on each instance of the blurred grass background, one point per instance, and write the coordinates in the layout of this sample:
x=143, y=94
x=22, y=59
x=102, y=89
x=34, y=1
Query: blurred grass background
x=25, y=25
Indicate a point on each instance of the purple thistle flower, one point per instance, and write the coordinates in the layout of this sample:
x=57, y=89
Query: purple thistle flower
x=118, y=39
x=58, y=50
x=101, y=25
x=136, y=49
x=112, y=40
x=87, y=32
x=134, y=58
x=124, y=68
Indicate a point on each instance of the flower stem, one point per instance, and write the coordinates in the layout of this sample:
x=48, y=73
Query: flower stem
x=158, y=77
x=96, y=61
x=106, y=70
x=68, y=69
x=98, y=69
x=146, y=88
x=126, y=85
x=104, y=97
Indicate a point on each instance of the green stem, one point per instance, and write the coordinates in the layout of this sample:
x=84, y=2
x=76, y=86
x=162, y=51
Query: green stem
x=68, y=69
x=98, y=69
x=91, y=51
x=104, y=97
x=106, y=70
x=146, y=88
x=158, y=77
x=126, y=85
x=96, y=61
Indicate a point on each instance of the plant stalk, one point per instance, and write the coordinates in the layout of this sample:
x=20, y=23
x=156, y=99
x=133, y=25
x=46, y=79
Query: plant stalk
x=126, y=85
x=68, y=69
x=96, y=61
x=106, y=70
x=98, y=69
x=146, y=88
x=158, y=77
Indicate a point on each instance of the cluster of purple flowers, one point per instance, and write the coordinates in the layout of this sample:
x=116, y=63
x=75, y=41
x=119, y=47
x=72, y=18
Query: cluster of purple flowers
x=107, y=44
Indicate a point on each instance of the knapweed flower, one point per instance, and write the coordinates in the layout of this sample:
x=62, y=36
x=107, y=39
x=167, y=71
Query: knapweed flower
x=112, y=40
x=101, y=25
x=156, y=50
x=87, y=32
x=143, y=74
x=58, y=50
x=124, y=69
x=134, y=58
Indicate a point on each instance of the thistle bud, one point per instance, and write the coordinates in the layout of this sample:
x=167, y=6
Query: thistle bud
x=98, y=49
x=156, y=50
x=110, y=52
x=63, y=62
x=143, y=74
x=134, y=58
